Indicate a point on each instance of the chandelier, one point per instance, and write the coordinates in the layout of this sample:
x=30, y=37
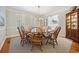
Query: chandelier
x=38, y=6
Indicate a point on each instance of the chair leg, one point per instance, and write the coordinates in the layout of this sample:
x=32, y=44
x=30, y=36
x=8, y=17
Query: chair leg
x=53, y=44
x=41, y=48
x=21, y=42
x=46, y=41
x=31, y=47
x=41, y=43
x=56, y=41
x=29, y=40
x=26, y=41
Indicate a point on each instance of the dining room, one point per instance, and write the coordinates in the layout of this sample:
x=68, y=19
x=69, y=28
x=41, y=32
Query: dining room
x=37, y=29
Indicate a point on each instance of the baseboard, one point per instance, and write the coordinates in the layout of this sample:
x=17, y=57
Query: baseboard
x=11, y=36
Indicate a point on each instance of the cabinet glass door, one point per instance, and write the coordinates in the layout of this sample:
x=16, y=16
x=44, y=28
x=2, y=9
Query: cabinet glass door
x=68, y=22
x=74, y=20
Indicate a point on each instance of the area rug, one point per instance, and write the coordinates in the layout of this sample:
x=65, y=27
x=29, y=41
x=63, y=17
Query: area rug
x=63, y=46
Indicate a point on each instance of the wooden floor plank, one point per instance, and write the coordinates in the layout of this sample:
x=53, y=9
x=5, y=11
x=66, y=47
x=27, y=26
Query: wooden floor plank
x=74, y=47
x=5, y=48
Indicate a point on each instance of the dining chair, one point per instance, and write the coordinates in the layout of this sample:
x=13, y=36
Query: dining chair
x=22, y=36
x=47, y=36
x=36, y=40
x=55, y=35
x=26, y=34
x=51, y=36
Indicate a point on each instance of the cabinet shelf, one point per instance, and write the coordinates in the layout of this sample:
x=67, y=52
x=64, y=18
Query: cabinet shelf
x=72, y=25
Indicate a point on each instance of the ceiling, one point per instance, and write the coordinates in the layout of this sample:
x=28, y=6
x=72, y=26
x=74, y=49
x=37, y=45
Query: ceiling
x=42, y=10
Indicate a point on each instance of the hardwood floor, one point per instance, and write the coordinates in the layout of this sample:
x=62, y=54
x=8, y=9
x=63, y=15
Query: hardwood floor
x=5, y=48
x=74, y=48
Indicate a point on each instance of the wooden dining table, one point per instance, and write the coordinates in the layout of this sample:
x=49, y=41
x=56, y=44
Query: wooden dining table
x=44, y=34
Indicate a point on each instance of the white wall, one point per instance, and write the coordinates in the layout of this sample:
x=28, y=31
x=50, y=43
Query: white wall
x=62, y=23
x=12, y=19
x=62, y=20
x=2, y=28
x=27, y=19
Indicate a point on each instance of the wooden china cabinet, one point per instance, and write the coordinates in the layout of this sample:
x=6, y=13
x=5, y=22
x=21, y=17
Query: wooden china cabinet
x=72, y=25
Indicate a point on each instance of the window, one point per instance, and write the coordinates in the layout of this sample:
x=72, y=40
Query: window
x=19, y=20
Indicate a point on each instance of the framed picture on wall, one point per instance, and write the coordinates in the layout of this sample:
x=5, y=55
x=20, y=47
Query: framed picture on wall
x=55, y=19
x=2, y=23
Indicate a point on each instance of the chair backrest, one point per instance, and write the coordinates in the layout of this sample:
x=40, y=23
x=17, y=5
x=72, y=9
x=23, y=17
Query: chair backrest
x=23, y=29
x=20, y=32
x=57, y=32
x=37, y=35
x=29, y=29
